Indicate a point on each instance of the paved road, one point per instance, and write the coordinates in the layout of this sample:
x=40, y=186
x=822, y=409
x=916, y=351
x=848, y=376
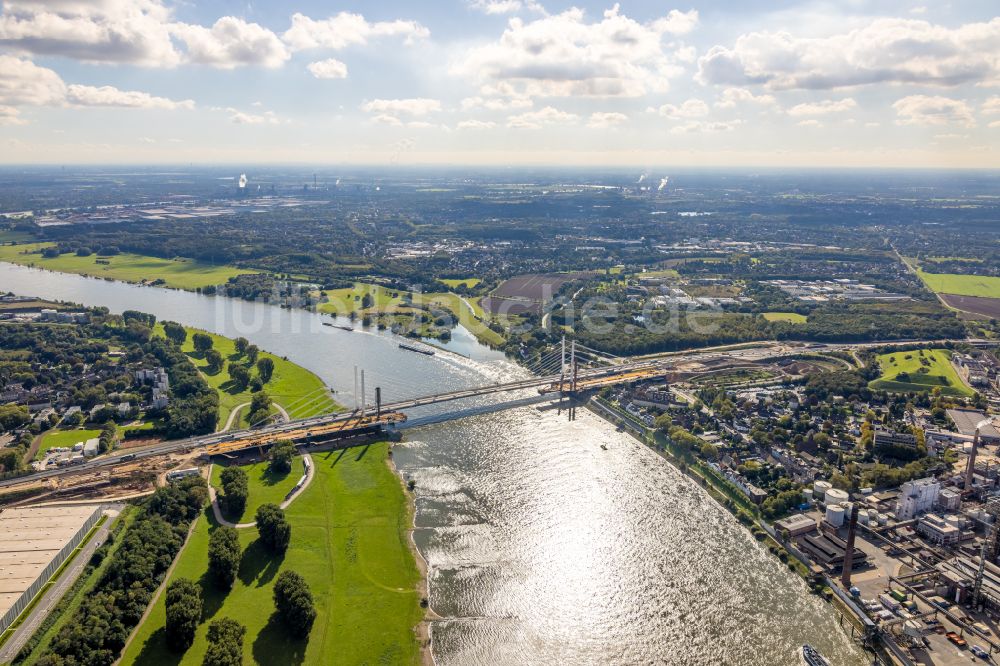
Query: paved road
x=758, y=352
x=54, y=594
x=217, y=511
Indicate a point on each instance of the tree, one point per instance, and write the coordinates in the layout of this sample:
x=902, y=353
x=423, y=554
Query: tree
x=274, y=530
x=235, y=489
x=183, y=613
x=225, y=643
x=13, y=416
x=265, y=368
x=175, y=332
x=281, y=456
x=367, y=301
x=241, y=345
x=239, y=374
x=260, y=408
x=252, y=353
x=224, y=556
x=202, y=342
x=294, y=602
x=215, y=361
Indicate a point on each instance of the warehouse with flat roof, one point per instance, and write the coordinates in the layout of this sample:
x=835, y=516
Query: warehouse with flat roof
x=34, y=542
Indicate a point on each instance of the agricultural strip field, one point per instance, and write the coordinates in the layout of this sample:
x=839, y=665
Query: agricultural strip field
x=350, y=541
x=920, y=372
x=962, y=285
x=179, y=273
x=789, y=317
x=987, y=307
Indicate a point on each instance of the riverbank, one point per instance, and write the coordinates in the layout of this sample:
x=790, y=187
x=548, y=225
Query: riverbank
x=353, y=520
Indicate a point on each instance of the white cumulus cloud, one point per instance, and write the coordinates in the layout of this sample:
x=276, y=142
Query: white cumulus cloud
x=506, y=6
x=732, y=97
x=705, y=127
x=232, y=42
x=419, y=106
x=991, y=106
x=331, y=68
x=566, y=55
x=605, y=120
x=692, y=108
x=823, y=107
x=887, y=50
x=109, y=96
x=495, y=103
x=540, y=118
x=346, y=29
x=476, y=124
x=933, y=110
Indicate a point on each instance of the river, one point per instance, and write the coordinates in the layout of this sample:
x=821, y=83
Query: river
x=543, y=547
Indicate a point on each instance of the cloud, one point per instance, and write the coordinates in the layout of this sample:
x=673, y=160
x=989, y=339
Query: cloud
x=704, y=127
x=605, y=120
x=415, y=107
x=231, y=42
x=540, y=118
x=887, y=50
x=823, y=107
x=476, y=124
x=506, y=6
x=991, y=106
x=732, y=97
x=331, y=68
x=386, y=119
x=22, y=82
x=78, y=95
x=106, y=31
x=809, y=123
x=692, y=108
x=933, y=110
x=239, y=117
x=994, y=124
x=9, y=116
x=565, y=55
x=346, y=29
x=495, y=103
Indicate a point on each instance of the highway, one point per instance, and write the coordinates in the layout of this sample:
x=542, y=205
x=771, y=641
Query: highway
x=626, y=368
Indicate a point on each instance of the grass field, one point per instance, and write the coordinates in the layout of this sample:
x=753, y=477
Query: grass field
x=293, y=387
x=962, y=285
x=938, y=373
x=265, y=487
x=790, y=317
x=180, y=273
x=468, y=282
x=349, y=541
x=66, y=438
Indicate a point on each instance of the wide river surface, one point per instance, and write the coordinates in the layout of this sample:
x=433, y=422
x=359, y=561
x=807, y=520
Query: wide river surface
x=543, y=547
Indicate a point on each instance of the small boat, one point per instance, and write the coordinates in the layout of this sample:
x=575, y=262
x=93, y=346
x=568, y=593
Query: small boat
x=343, y=328
x=812, y=657
x=604, y=447
x=419, y=350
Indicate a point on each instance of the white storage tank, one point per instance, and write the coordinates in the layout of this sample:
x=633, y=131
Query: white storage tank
x=820, y=488
x=835, y=496
x=835, y=515
x=808, y=494
x=883, y=519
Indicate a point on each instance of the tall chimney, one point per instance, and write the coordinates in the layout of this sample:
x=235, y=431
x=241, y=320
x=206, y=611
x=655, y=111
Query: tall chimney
x=971, y=468
x=845, y=576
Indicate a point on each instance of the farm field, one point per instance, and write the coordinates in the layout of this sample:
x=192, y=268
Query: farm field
x=987, y=307
x=790, y=317
x=962, y=285
x=350, y=542
x=468, y=282
x=922, y=370
x=293, y=387
x=179, y=273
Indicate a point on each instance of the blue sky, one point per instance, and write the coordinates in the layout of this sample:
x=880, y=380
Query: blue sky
x=501, y=82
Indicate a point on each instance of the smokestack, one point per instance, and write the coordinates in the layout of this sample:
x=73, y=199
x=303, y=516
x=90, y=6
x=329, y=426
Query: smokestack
x=845, y=577
x=356, y=388
x=971, y=468
x=362, y=392
x=378, y=402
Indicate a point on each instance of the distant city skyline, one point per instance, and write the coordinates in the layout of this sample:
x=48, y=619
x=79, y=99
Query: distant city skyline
x=501, y=82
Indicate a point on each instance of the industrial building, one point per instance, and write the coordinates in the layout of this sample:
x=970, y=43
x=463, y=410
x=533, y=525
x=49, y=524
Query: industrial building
x=943, y=531
x=916, y=497
x=796, y=525
x=34, y=542
x=828, y=550
x=966, y=421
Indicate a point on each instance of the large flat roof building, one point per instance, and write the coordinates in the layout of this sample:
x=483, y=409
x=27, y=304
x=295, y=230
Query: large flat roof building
x=34, y=542
x=966, y=421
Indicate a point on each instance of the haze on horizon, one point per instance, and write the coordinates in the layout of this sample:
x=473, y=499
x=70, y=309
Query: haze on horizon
x=501, y=82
